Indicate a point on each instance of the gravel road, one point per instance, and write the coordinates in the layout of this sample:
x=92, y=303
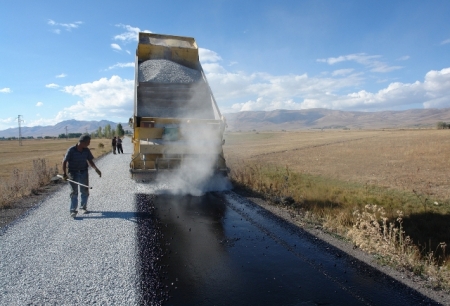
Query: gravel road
x=48, y=258
x=143, y=245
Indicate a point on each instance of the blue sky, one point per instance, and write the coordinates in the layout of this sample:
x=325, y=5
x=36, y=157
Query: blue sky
x=64, y=60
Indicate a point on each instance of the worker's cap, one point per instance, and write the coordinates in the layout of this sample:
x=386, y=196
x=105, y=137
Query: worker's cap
x=84, y=138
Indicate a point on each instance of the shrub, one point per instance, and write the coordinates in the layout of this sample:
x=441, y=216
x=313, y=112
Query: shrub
x=23, y=183
x=442, y=125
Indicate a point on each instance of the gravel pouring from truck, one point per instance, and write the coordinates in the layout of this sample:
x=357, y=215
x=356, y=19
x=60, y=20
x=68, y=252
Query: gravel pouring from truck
x=176, y=122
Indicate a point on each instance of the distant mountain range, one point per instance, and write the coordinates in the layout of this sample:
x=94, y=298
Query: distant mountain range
x=274, y=120
x=73, y=126
x=333, y=119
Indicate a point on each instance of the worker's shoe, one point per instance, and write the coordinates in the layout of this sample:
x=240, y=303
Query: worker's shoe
x=73, y=214
x=84, y=211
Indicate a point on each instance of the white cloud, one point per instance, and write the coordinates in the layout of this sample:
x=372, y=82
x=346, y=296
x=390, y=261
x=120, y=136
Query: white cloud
x=437, y=86
x=238, y=91
x=395, y=95
x=104, y=98
x=438, y=81
x=206, y=56
x=42, y=121
x=39, y=104
x=52, y=85
x=62, y=75
x=121, y=65
x=360, y=58
x=369, y=61
x=237, y=86
x=116, y=47
x=444, y=42
x=66, y=26
x=342, y=72
x=7, y=120
x=213, y=68
x=131, y=33
x=7, y=123
x=226, y=85
x=404, y=58
x=5, y=90
x=382, y=67
x=262, y=103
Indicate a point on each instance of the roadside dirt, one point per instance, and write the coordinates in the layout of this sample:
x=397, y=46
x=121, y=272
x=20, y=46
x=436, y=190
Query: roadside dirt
x=17, y=209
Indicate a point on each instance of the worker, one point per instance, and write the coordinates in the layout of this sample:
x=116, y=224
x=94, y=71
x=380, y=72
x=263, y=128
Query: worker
x=119, y=145
x=78, y=157
x=114, y=144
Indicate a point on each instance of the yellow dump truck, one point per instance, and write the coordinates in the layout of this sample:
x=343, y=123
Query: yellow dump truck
x=176, y=123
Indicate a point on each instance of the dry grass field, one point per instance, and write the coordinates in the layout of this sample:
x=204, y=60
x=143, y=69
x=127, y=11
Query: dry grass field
x=13, y=156
x=399, y=159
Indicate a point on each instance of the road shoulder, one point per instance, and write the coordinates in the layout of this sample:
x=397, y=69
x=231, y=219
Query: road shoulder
x=20, y=207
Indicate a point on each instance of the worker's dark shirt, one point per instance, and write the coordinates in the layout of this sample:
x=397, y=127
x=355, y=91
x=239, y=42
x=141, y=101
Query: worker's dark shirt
x=78, y=160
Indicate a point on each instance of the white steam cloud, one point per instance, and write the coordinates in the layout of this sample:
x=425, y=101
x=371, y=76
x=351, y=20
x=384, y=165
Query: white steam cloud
x=197, y=174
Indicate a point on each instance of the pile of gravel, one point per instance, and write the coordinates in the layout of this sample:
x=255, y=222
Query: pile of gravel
x=165, y=71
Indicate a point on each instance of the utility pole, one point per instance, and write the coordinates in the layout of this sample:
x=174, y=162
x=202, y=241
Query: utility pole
x=20, y=130
x=66, y=134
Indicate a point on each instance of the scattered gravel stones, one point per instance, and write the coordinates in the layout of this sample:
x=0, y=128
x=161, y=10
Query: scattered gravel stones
x=165, y=71
x=48, y=258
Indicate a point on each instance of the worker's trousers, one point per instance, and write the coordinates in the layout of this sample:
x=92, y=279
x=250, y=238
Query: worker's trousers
x=81, y=177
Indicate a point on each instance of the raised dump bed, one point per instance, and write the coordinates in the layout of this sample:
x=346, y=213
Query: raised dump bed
x=176, y=120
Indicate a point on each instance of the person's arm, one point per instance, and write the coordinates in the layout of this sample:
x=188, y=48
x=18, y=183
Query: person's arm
x=92, y=164
x=64, y=164
x=64, y=168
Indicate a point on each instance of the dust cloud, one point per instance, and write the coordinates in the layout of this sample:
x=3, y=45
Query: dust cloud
x=202, y=141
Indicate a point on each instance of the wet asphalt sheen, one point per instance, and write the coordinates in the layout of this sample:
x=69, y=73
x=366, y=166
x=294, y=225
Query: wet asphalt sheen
x=221, y=249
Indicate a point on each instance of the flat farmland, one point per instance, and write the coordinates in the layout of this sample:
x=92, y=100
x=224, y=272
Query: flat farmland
x=13, y=156
x=399, y=159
